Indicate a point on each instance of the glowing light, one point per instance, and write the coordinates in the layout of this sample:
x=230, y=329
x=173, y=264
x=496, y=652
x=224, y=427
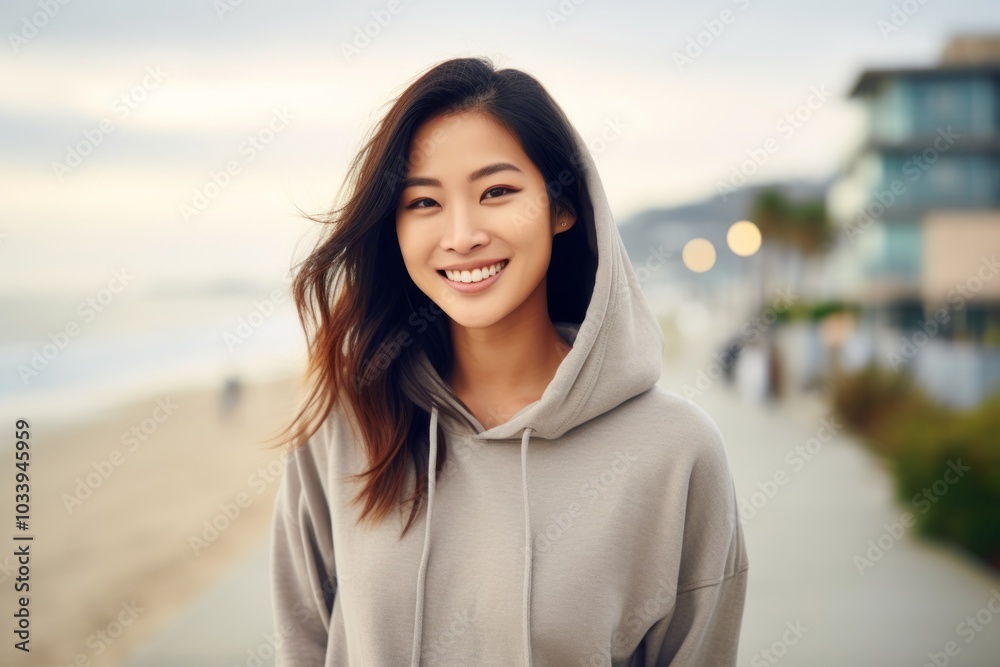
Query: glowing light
x=699, y=255
x=743, y=238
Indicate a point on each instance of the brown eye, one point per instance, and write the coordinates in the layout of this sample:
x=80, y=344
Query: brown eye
x=416, y=203
x=500, y=188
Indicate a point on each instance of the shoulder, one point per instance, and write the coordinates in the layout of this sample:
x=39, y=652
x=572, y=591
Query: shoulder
x=680, y=430
x=311, y=464
x=699, y=492
x=682, y=455
x=682, y=411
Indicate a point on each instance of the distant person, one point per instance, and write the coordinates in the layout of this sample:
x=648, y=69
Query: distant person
x=775, y=390
x=231, y=391
x=487, y=368
x=730, y=356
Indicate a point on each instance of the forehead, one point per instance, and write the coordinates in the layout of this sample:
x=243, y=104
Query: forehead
x=462, y=142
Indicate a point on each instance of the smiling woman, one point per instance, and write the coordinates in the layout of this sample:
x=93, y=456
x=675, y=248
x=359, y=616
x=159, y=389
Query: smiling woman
x=476, y=200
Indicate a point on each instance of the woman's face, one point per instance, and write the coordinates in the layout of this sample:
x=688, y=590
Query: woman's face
x=473, y=201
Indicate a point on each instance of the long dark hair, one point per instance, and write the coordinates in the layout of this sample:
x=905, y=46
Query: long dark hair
x=364, y=318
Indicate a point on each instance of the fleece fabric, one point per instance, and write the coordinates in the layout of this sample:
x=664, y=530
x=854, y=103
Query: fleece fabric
x=596, y=526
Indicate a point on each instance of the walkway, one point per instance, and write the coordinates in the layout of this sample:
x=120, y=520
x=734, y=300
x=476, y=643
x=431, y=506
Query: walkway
x=809, y=515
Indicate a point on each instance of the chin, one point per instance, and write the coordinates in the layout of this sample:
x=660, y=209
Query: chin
x=474, y=317
x=471, y=311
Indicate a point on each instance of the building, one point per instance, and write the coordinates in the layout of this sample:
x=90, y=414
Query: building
x=919, y=205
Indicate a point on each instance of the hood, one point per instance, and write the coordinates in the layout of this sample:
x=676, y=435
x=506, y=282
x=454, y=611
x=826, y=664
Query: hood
x=617, y=353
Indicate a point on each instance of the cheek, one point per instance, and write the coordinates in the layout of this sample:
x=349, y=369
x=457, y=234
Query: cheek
x=409, y=243
x=416, y=247
x=531, y=234
x=529, y=221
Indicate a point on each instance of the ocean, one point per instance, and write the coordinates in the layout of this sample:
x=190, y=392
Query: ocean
x=67, y=358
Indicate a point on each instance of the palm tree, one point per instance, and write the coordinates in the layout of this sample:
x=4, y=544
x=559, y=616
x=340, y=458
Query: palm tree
x=800, y=226
x=802, y=230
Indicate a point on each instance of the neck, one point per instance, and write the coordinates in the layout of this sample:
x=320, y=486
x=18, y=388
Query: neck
x=509, y=362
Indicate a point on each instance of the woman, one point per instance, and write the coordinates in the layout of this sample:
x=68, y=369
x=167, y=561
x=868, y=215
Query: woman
x=473, y=314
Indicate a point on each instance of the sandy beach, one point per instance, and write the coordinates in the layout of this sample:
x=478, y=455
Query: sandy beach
x=135, y=515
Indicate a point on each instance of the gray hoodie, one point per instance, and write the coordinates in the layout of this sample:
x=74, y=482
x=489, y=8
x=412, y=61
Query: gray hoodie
x=597, y=526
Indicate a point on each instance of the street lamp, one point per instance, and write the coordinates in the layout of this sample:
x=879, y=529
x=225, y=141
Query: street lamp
x=698, y=255
x=743, y=238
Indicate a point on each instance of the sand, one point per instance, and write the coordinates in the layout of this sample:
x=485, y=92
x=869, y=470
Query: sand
x=122, y=561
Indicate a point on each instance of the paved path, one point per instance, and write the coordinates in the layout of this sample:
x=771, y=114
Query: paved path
x=812, y=517
x=807, y=602
x=229, y=626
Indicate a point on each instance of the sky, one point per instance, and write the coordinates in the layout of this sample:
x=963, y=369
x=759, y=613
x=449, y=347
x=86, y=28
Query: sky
x=180, y=140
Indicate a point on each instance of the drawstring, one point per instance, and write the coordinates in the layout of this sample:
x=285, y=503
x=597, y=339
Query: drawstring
x=418, y=618
x=526, y=614
x=526, y=600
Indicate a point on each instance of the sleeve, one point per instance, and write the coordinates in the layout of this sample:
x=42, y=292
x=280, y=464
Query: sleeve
x=303, y=570
x=703, y=626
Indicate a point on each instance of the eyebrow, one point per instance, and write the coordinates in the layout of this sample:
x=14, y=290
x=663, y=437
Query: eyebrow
x=474, y=176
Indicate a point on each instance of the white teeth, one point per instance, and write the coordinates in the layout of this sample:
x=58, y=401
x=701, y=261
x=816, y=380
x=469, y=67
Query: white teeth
x=475, y=275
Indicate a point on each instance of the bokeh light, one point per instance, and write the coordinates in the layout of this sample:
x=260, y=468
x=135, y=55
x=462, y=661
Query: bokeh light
x=743, y=238
x=699, y=255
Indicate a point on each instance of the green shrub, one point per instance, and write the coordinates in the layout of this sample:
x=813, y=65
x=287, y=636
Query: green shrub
x=878, y=403
x=813, y=312
x=969, y=511
x=923, y=441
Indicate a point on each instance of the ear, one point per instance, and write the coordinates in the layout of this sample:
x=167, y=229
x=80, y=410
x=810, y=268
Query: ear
x=563, y=217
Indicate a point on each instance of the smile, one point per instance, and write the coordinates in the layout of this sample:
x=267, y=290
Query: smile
x=476, y=280
x=475, y=275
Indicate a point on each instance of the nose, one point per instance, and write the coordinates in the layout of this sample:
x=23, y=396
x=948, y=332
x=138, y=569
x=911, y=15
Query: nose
x=462, y=230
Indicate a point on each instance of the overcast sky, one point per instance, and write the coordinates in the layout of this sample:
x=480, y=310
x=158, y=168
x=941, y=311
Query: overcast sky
x=179, y=87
